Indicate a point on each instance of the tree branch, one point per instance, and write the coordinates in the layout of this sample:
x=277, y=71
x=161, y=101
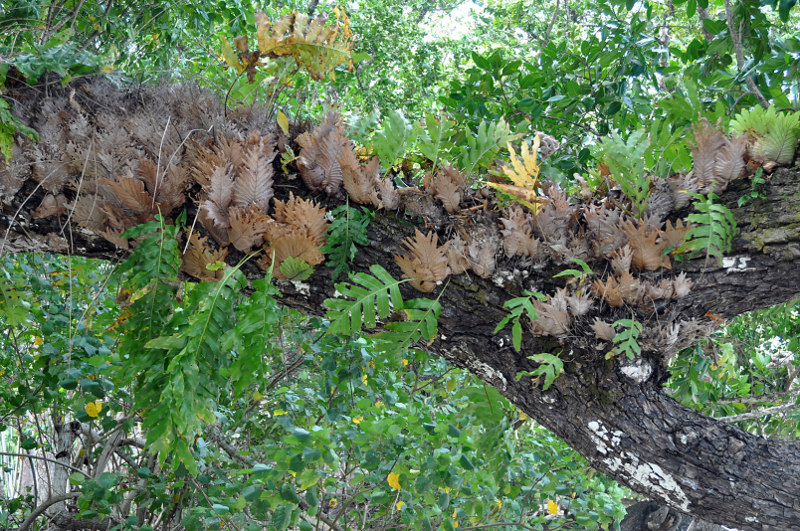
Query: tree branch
x=43, y=507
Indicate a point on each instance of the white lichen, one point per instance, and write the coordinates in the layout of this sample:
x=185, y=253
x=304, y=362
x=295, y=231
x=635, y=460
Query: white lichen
x=735, y=264
x=638, y=371
x=650, y=475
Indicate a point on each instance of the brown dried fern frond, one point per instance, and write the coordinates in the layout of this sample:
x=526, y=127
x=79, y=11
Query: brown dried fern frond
x=198, y=255
x=304, y=214
x=426, y=262
x=253, y=184
x=648, y=247
x=319, y=155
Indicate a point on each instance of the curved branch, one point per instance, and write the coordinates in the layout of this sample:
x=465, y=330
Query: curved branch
x=43, y=507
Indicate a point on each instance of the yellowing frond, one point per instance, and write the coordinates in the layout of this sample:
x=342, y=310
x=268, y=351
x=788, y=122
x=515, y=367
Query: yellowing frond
x=524, y=173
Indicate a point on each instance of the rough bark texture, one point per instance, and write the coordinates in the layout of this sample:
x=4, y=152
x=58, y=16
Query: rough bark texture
x=614, y=412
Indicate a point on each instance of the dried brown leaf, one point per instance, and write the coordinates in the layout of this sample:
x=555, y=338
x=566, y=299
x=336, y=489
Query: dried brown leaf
x=426, y=262
x=647, y=254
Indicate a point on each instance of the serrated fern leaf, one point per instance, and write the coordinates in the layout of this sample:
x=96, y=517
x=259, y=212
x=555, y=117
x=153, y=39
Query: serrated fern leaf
x=348, y=229
x=392, y=140
x=714, y=228
x=482, y=147
x=367, y=297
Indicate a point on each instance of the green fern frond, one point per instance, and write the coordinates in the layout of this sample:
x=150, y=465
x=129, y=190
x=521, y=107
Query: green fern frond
x=625, y=161
x=367, y=297
x=774, y=135
x=626, y=341
x=481, y=148
x=391, y=142
x=714, y=230
x=348, y=229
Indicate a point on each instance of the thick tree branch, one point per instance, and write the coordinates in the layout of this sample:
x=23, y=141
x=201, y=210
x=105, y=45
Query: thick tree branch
x=613, y=411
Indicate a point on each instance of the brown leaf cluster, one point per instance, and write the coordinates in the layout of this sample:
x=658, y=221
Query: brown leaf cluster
x=238, y=187
x=297, y=229
x=517, y=231
x=199, y=255
x=447, y=185
x=364, y=185
x=718, y=160
x=320, y=151
x=425, y=262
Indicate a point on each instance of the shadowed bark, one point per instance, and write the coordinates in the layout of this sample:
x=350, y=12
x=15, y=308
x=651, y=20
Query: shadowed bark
x=614, y=412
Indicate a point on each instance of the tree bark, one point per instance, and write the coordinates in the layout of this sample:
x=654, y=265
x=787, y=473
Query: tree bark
x=614, y=412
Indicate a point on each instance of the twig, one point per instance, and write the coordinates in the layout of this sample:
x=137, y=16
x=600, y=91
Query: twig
x=29, y=456
x=758, y=413
x=736, y=37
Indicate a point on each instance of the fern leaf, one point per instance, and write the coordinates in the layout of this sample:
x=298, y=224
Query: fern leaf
x=373, y=296
x=433, y=139
x=316, y=46
x=482, y=147
x=391, y=142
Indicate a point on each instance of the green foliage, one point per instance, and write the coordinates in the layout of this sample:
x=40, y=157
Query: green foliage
x=715, y=228
x=375, y=297
x=626, y=340
x=625, y=161
x=775, y=134
x=434, y=138
x=348, y=229
x=518, y=307
x=296, y=269
x=550, y=366
x=393, y=140
x=480, y=148
x=9, y=124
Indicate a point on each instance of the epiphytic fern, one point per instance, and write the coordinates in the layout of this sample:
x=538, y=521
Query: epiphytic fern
x=314, y=45
x=481, y=148
x=349, y=227
x=714, y=230
x=626, y=340
x=626, y=163
x=372, y=297
x=368, y=298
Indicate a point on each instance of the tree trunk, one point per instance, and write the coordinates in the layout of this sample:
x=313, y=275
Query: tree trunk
x=614, y=412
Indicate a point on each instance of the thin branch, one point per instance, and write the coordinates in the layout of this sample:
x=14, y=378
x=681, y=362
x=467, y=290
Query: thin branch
x=755, y=399
x=736, y=38
x=43, y=507
x=14, y=454
x=758, y=413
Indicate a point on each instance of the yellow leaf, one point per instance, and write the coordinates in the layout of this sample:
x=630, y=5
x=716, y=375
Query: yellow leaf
x=394, y=480
x=93, y=408
x=358, y=420
x=278, y=412
x=523, y=195
x=2, y=372
x=283, y=123
x=405, y=362
x=333, y=502
x=37, y=340
x=364, y=379
x=399, y=505
x=524, y=173
x=552, y=507
x=451, y=385
x=230, y=56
